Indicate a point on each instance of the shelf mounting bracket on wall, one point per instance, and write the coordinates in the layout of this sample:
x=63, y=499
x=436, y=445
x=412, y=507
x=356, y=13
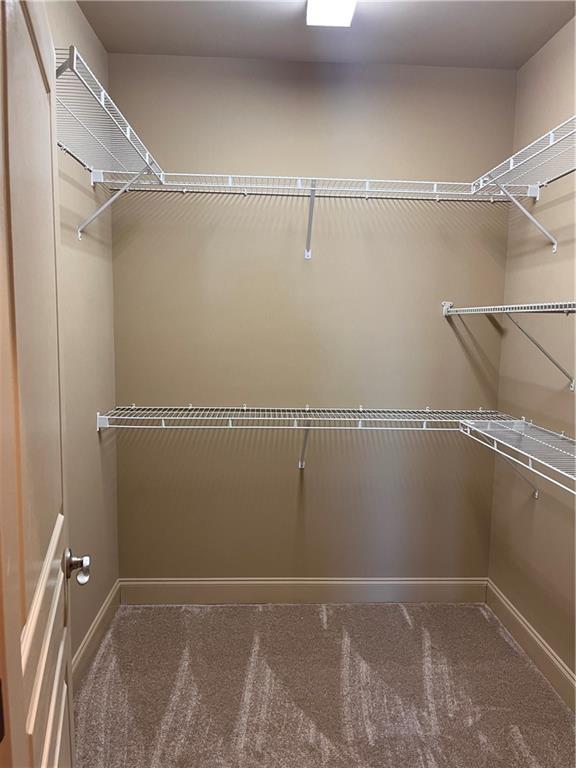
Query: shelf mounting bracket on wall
x=302, y=459
x=312, y=200
x=512, y=465
x=110, y=200
x=547, y=234
x=567, y=374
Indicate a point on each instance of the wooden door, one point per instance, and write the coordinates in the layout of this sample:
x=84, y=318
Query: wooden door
x=33, y=589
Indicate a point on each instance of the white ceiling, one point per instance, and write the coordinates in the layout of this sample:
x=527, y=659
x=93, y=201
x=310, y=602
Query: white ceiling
x=493, y=33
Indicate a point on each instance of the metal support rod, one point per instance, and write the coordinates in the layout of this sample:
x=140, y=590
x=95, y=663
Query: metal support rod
x=535, y=489
x=537, y=344
x=302, y=459
x=109, y=202
x=308, y=249
x=527, y=213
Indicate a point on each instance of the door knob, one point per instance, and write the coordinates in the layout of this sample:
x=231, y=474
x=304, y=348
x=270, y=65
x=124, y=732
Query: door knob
x=81, y=564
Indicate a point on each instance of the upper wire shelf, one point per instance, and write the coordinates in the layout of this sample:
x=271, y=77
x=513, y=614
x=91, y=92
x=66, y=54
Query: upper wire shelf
x=548, y=158
x=94, y=131
x=90, y=126
x=301, y=186
x=546, y=307
x=523, y=174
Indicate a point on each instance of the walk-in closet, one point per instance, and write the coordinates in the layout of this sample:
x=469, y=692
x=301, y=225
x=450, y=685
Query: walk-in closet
x=287, y=329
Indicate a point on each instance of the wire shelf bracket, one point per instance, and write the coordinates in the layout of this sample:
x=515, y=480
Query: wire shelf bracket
x=569, y=376
x=107, y=203
x=558, y=307
x=302, y=459
x=308, y=248
x=516, y=470
x=547, y=234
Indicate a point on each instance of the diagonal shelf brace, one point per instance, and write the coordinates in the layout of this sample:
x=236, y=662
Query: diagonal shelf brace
x=569, y=376
x=110, y=200
x=308, y=249
x=529, y=216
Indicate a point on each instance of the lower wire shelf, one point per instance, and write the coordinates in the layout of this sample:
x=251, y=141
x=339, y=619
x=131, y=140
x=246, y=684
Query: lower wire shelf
x=547, y=454
x=245, y=417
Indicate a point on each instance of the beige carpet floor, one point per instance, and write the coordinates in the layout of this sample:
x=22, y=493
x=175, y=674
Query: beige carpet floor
x=317, y=686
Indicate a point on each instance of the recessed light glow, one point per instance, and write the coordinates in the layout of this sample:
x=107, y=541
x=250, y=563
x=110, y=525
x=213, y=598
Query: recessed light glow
x=330, y=13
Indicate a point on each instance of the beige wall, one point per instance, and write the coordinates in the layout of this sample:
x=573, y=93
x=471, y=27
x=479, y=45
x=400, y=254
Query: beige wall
x=532, y=548
x=214, y=304
x=87, y=354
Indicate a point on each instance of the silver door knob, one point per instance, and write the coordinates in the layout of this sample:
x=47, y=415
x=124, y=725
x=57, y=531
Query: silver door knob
x=81, y=564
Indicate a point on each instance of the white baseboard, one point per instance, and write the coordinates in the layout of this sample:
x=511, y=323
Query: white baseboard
x=328, y=590
x=554, y=669
x=89, y=645
x=302, y=590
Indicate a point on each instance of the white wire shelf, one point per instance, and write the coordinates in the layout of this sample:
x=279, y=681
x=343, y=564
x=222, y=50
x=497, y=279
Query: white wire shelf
x=244, y=417
x=550, y=307
x=546, y=307
x=545, y=160
x=301, y=186
x=93, y=130
x=90, y=126
x=523, y=174
x=548, y=158
x=548, y=454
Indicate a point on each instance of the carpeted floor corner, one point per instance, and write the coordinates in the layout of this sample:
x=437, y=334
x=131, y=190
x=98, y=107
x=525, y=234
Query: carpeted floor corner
x=317, y=686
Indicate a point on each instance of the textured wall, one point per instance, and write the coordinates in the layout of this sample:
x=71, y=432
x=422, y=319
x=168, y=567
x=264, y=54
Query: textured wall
x=214, y=304
x=532, y=549
x=86, y=354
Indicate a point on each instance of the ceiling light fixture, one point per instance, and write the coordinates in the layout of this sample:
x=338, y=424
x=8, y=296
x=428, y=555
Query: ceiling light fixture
x=330, y=13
